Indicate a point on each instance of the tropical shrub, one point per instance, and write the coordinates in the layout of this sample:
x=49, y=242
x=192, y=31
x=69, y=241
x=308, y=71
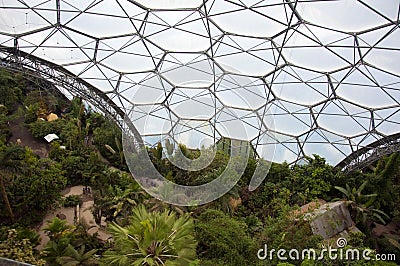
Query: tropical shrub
x=72, y=201
x=19, y=250
x=224, y=239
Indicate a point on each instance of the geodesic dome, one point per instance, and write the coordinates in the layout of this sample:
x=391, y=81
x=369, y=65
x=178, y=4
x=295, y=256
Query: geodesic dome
x=301, y=77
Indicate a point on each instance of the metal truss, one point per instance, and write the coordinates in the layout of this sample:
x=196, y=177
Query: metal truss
x=366, y=156
x=66, y=82
x=292, y=77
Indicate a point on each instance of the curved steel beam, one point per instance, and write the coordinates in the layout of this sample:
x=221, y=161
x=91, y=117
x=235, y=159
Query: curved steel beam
x=365, y=156
x=16, y=60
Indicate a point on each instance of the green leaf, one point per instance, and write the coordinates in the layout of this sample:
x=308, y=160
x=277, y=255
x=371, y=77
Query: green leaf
x=344, y=191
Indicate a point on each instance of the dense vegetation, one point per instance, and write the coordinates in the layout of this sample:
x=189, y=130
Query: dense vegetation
x=228, y=231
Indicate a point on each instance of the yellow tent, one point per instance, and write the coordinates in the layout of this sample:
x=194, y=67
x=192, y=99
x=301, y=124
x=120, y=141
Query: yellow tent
x=52, y=117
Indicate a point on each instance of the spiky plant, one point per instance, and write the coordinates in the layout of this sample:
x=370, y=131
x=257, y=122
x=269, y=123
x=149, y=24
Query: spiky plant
x=363, y=204
x=152, y=238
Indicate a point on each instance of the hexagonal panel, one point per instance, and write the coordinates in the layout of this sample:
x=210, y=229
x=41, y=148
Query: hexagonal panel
x=189, y=70
x=260, y=55
x=194, y=133
x=242, y=92
x=151, y=90
x=289, y=81
x=343, y=118
x=193, y=103
x=169, y=28
x=344, y=15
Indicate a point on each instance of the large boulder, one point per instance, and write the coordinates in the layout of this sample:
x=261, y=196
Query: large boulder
x=330, y=219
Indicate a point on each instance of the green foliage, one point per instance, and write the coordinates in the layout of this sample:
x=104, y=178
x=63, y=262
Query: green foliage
x=70, y=245
x=57, y=229
x=32, y=113
x=357, y=239
x=253, y=223
x=22, y=233
x=110, y=134
x=67, y=245
x=54, y=250
x=95, y=120
x=39, y=129
x=157, y=152
x=10, y=93
x=215, y=262
x=38, y=190
x=76, y=109
x=361, y=205
x=183, y=177
x=32, y=185
x=224, y=239
x=11, y=161
x=41, y=102
x=82, y=167
x=80, y=237
x=284, y=185
x=19, y=250
x=116, y=202
x=209, y=173
x=5, y=132
x=56, y=152
x=152, y=239
x=386, y=182
x=72, y=201
x=310, y=181
x=71, y=134
x=38, y=103
x=73, y=257
x=288, y=233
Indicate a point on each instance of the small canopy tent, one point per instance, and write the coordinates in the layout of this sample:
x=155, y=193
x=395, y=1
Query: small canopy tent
x=50, y=137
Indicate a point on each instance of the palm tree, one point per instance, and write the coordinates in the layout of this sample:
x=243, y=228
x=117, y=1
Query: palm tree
x=73, y=257
x=57, y=228
x=152, y=239
x=10, y=162
x=121, y=200
x=54, y=250
x=157, y=205
x=117, y=202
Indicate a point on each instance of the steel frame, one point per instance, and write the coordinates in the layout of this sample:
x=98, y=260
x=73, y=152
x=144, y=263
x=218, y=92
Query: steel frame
x=20, y=51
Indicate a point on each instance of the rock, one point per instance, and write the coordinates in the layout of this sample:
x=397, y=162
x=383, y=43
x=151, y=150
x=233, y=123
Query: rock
x=93, y=230
x=61, y=216
x=234, y=203
x=348, y=232
x=103, y=222
x=307, y=208
x=330, y=219
x=391, y=228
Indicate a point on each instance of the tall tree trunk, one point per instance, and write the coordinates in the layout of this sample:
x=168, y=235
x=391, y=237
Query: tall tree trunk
x=5, y=198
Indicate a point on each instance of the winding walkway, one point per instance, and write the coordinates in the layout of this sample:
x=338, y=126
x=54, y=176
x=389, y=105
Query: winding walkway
x=85, y=215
